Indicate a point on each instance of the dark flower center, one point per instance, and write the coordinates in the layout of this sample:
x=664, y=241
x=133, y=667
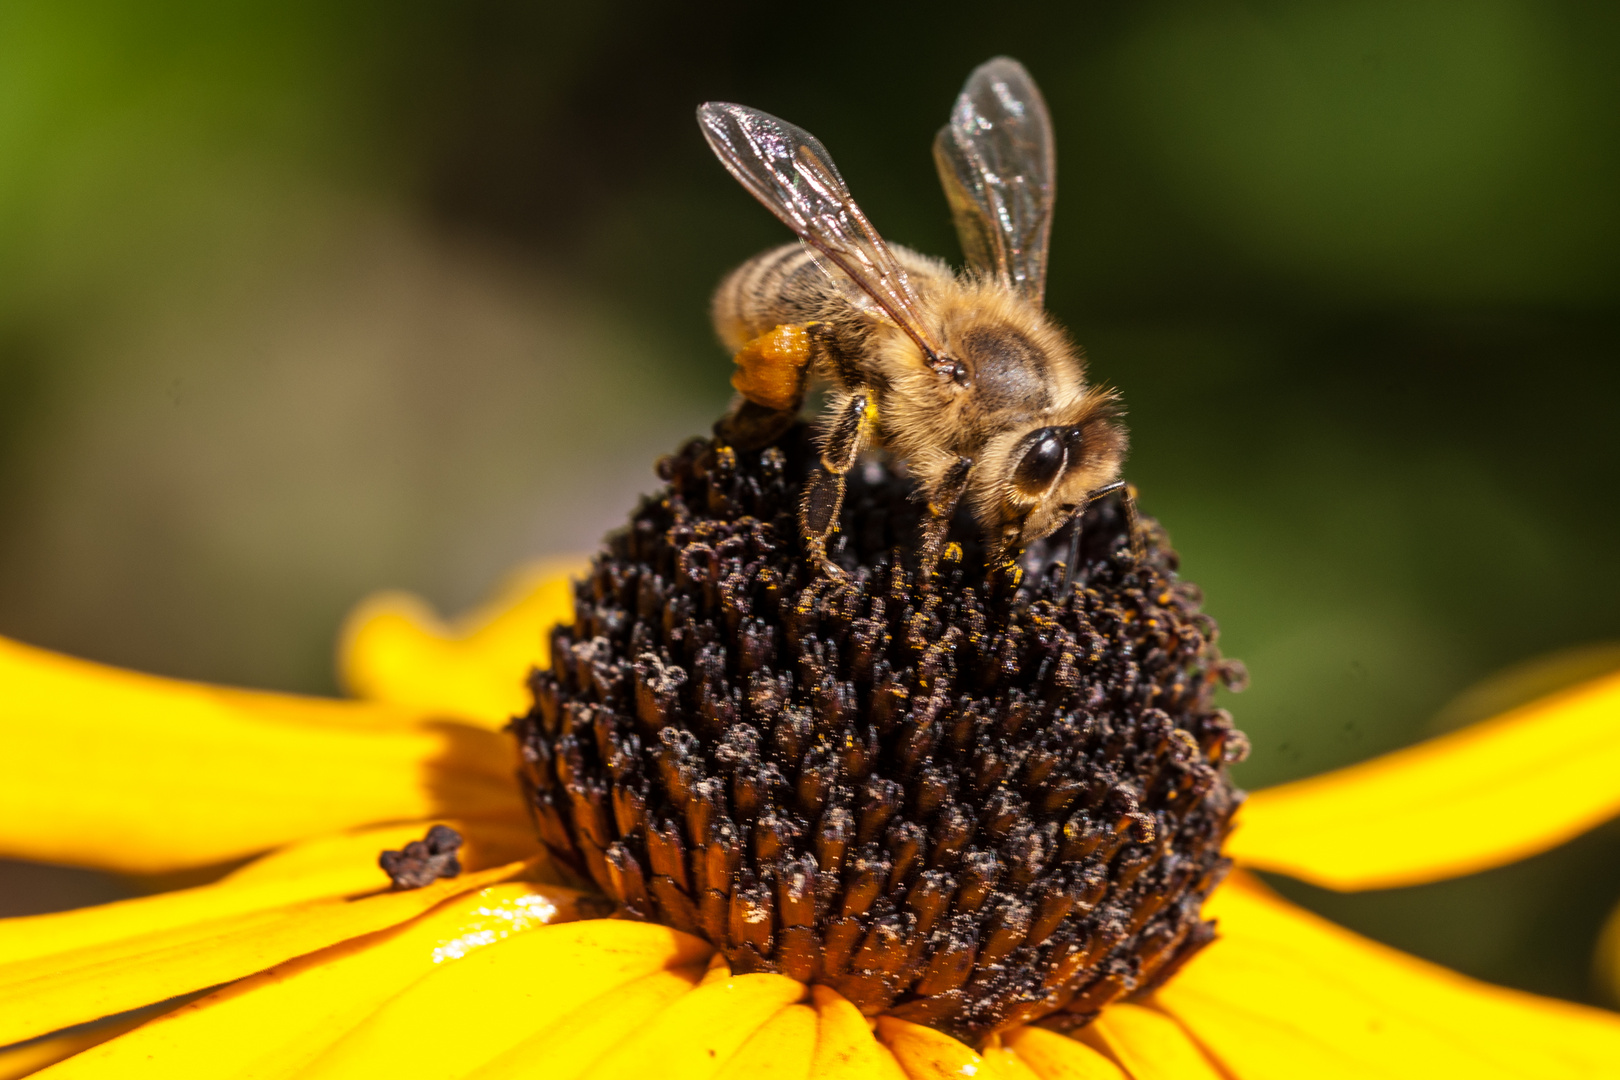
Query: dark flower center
x=975, y=801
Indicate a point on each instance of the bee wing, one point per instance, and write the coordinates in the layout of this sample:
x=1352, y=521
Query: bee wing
x=787, y=169
x=999, y=170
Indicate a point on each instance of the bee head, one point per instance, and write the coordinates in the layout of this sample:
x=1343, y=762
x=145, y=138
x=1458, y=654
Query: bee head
x=1043, y=473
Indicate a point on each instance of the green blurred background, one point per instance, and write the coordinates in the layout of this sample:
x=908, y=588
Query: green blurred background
x=299, y=301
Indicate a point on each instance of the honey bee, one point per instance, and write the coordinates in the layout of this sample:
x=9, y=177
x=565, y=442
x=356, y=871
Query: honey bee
x=963, y=375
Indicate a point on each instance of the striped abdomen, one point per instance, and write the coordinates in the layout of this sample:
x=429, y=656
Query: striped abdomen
x=779, y=286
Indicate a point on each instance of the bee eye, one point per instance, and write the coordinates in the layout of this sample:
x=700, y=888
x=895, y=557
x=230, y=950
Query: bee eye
x=1044, y=457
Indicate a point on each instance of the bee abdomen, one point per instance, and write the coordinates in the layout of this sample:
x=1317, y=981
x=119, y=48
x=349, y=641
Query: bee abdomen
x=782, y=285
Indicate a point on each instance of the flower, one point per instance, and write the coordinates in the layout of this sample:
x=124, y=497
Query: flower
x=971, y=800
x=307, y=964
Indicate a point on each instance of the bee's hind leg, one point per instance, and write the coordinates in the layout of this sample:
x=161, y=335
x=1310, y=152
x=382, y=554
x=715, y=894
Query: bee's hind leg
x=749, y=426
x=842, y=433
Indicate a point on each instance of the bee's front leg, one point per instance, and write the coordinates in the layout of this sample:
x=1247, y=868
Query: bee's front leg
x=1133, y=527
x=942, y=500
x=843, y=431
x=772, y=374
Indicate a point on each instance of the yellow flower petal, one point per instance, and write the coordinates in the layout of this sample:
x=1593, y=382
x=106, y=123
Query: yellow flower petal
x=462, y=1016
x=926, y=1054
x=32, y=1056
x=115, y=769
x=846, y=1049
x=570, y=1045
x=1606, y=964
x=1005, y=1063
x=1058, y=1057
x=1151, y=1045
x=486, y=843
x=778, y=1051
x=719, y=970
x=318, y=869
x=1282, y=993
x=692, y=1038
x=274, y=1023
x=58, y=989
x=1481, y=797
x=19, y=1061
x=395, y=648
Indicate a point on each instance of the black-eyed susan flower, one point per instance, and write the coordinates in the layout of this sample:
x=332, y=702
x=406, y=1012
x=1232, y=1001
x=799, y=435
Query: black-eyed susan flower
x=788, y=827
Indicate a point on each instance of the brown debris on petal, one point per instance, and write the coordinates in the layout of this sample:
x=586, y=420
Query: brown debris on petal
x=974, y=801
x=424, y=861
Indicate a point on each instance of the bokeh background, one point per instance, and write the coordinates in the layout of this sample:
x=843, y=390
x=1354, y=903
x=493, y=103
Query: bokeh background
x=303, y=300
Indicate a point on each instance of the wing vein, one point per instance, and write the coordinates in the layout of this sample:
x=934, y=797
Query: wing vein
x=790, y=172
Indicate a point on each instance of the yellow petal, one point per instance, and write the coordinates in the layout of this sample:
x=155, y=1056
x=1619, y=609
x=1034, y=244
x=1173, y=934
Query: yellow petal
x=36, y=1054
x=778, y=1051
x=1006, y=1064
x=487, y=843
x=324, y=868
x=846, y=1049
x=110, y=768
x=1488, y=795
x=926, y=1054
x=273, y=1023
x=1151, y=1045
x=1606, y=964
x=395, y=648
x=570, y=1045
x=1282, y=993
x=58, y=989
x=494, y=1000
x=692, y=1038
x=18, y=1061
x=1526, y=681
x=719, y=970
x=1058, y=1057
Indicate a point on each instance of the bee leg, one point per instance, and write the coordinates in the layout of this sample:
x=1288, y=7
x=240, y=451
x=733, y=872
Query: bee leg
x=1071, y=564
x=1000, y=552
x=941, y=507
x=841, y=437
x=753, y=427
x=1133, y=525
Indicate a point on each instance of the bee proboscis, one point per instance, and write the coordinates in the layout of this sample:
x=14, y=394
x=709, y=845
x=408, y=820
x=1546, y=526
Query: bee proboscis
x=963, y=375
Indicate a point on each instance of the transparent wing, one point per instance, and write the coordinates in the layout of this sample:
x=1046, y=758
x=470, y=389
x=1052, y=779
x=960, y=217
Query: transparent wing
x=787, y=169
x=999, y=170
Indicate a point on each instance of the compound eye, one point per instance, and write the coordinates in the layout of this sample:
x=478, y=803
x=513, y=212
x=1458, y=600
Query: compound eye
x=1043, y=460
